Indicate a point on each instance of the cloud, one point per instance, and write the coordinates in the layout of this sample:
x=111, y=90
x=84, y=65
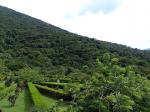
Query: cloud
x=45, y=8
x=121, y=21
x=128, y=24
x=95, y=6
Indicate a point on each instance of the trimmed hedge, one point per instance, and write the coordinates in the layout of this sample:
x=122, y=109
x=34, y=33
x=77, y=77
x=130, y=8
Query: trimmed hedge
x=59, y=85
x=53, y=84
x=53, y=92
x=54, y=79
x=36, y=97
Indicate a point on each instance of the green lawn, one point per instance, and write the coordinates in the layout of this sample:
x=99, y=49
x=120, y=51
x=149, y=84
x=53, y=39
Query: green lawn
x=23, y=103
x=49, y=101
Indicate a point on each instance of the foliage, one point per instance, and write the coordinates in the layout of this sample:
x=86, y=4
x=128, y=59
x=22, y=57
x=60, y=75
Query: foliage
x=113, y=88
x=12, y=100
x=28, y=74
x=47, y=46
x=121, y=102
x=8, y=81
x=2, y=86
x=7, y=91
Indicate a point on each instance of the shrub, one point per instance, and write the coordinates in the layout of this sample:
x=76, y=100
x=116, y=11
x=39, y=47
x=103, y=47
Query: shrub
x=36, y=97
x=54, y=84
x=2, y=86
x=53, y=92
x=60, y=85
x=5, y=92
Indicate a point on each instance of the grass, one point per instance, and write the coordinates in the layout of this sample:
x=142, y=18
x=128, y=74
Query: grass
x=49, y=101
x=23, y=103
x=27, y=101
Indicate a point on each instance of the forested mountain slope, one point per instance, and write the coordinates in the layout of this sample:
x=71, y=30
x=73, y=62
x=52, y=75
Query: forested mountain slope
x=44, y=68
x=26, y=41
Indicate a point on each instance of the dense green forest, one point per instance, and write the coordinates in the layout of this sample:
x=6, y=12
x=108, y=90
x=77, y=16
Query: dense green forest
x=82, y=74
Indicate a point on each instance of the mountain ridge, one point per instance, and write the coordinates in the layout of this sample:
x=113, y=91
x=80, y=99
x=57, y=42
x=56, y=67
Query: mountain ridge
x=147, y=49
x=39, y=20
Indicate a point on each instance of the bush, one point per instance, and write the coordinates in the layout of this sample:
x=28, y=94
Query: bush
x=36, y=97
x=54, y=84
x=53, y=92
x=60, y=85
x=29, y=74
x=2, y=86
x=6, y=91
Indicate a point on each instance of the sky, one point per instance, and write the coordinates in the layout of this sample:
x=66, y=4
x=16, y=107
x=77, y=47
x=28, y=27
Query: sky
x=125, y=22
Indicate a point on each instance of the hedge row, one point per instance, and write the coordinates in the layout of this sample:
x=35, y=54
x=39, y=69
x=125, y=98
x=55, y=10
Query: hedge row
x=53, y=84
x=62, y=80
x=59, y=85
x=53, y=92
x=36, y=97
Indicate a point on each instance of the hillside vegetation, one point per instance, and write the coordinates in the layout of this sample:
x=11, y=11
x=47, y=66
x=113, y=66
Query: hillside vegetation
x=59, y=71
x=25, y=41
